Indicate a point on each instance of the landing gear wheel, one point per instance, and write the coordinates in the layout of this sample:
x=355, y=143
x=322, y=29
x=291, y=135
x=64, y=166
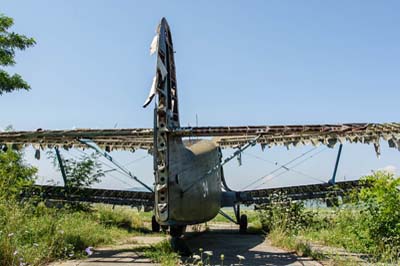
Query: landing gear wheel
x=155, y=226
x=243, y=224
x=177, y=231
x=164, y=228
x=177, y=242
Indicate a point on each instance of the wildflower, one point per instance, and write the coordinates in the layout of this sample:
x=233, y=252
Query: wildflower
x=240, y=259
x=196, y=257
x=201, y=250
x=208, y=253
x=22, y=263
x=89, y=251
x=10, y=234
x=61, y=232
x=15, y=253
x=35, y=244
x=222, y=259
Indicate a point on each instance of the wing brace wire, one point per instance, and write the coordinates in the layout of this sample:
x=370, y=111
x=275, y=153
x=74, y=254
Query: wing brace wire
x=93, y=145
x=237, y=153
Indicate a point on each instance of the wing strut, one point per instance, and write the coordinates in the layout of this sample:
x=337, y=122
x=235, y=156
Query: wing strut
x=239, y=151
x=333, y=179
x=61, y=164
x=92, y=145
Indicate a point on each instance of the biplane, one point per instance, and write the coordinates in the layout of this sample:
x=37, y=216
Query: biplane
x=189, y=183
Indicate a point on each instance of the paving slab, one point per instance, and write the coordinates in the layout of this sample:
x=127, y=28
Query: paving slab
x=255, y=248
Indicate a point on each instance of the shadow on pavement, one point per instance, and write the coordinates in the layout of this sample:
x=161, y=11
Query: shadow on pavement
x=253, y=247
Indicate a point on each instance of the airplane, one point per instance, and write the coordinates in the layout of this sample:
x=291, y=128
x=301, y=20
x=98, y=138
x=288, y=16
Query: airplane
x=190, y=186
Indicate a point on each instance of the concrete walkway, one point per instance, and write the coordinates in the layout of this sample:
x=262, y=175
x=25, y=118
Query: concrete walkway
x=118, y=255
x=254, y=248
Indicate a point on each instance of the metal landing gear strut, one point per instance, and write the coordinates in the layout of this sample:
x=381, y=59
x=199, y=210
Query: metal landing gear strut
x=155, y=226
x=178, y=244
x=241, y=220
x=176, y=232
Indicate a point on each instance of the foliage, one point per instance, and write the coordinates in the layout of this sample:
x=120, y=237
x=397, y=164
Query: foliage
x=161, y=253
x=33, y=234
x=283, y=213
x=368, y=224
x=381, y=214
x=82, y=172
x=38, y=234
x=14, y=173
x=119, y=217
x=280, y=238
x=9, y=43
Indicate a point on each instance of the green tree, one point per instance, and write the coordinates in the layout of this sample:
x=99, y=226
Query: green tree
x=9, y=43
x=381, y=198
x=82, y=172
x=15, y=174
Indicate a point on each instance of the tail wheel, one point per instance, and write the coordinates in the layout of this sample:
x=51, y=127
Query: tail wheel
x=164, y=228
x=155, y=226
x=243, y=224
x=177, y=230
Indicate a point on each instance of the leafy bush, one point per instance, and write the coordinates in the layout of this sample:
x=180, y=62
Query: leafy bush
x=283, y=213
x=380, y=199
x=82, y=172
x=14, y=174
x=368, y=224
x=31, y=233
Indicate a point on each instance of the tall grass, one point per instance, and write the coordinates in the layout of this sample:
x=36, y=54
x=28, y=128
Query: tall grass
x=37, y=234
x=161, y=253
x=32, y=234
x=369, y=223
x=120, y=217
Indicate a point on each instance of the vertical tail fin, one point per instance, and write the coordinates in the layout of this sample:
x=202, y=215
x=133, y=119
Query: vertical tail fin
x=164, y=82
x=166, y=115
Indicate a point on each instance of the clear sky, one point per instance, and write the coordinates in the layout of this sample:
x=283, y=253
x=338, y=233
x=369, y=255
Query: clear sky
x=238, y=63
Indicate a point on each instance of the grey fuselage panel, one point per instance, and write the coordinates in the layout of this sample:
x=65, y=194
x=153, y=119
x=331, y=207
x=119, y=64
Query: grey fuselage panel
x=194, y=188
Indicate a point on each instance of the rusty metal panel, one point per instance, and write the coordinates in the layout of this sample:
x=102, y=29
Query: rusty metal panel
x=298, y=135
x=92, y=195
x=303, y=192
x=108, y=139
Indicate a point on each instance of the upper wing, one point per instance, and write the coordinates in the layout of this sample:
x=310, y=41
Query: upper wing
x=267, y=136
x=297, y=135
x=108, y=139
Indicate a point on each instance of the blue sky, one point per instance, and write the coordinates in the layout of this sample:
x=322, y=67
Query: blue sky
x=238, y=63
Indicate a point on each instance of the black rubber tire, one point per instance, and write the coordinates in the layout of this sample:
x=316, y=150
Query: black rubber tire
x=164, y=228
x=155, y=226
x=243, y=224
x=177, y=230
